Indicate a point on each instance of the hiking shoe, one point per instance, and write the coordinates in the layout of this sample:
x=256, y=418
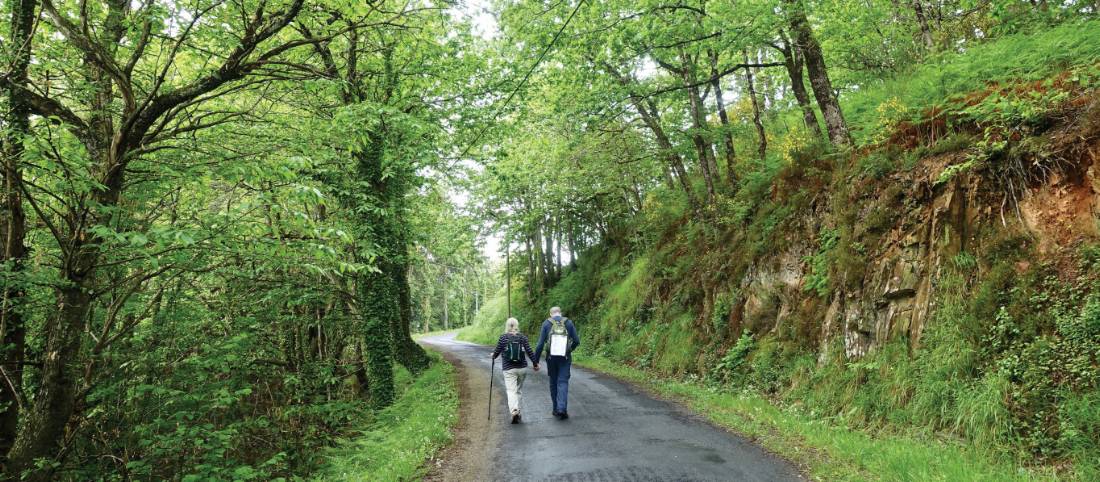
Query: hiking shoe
x=564, y=415
x=515, y=418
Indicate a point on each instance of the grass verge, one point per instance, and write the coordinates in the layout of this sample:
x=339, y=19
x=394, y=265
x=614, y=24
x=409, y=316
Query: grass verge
x=826, y=451
x=394, y=444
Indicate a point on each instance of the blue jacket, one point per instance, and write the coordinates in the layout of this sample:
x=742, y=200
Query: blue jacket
x=544, y=337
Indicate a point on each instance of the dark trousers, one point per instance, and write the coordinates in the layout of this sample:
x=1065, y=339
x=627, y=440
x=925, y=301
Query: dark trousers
x=558, y=369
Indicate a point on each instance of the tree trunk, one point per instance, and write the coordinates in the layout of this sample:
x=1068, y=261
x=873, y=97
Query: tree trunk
x=408, y=353
x=378, y=297
x=557, y=246
x=701, y=145
x=362, y=382
x=922, y=21
x=652, y=119
x=464, y=309
x=55, y=400
x=573, y=244
x=378, y=294
x=792, y=60
x=761, y=135
x=711, y=155
x=386, y=296
x=766, y=89
x=819, y=75
x=313, y=338
x=446, y=309
x=723, y=116
x=532, y=268
x=14, y=223
x=698, y=124
x=540, y=258
x=426, y=312
x=548, y=240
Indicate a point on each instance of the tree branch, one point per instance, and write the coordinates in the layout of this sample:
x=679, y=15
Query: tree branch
x=232, y=69
x=83, y=42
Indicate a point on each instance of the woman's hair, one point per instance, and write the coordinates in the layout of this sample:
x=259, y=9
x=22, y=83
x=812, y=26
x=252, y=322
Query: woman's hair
x=511, y=326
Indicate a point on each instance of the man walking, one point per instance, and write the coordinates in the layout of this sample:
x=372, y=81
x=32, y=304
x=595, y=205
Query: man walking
x=561, y=335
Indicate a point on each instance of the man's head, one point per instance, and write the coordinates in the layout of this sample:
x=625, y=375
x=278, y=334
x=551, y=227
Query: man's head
x=555, y=313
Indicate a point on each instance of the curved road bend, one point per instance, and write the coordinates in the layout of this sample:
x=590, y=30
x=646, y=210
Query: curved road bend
x=615, y=433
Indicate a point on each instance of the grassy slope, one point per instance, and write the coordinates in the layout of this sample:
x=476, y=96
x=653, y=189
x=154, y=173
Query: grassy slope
x=488, y=323
x=395, y=443
x=948, y=76
x=936, y=81
x=846, y=422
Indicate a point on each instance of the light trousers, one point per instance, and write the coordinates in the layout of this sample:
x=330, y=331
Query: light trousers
x=513, y=384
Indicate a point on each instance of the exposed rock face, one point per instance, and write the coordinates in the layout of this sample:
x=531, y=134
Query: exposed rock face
x=772, y=291
x=939, y=221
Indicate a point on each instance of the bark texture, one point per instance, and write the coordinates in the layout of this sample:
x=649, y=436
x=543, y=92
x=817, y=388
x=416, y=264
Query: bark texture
x=792, y=60
x=804, y=38
x=723, y=117
x=761, y=135
x=13, y=221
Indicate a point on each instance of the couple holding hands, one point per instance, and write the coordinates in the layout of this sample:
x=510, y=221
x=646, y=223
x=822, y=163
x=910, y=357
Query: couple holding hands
x=559, y=337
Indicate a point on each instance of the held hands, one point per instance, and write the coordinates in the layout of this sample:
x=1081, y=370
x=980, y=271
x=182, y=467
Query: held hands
x=536, y=367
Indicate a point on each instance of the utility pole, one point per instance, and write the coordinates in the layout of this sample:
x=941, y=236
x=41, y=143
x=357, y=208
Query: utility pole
x=508, y=277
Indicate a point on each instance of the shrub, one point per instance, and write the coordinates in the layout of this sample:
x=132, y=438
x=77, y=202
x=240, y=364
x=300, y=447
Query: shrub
x=728, y=369
x=818, y=280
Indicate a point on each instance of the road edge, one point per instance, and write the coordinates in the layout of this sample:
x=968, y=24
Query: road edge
x=802, y=467
x=464, y=457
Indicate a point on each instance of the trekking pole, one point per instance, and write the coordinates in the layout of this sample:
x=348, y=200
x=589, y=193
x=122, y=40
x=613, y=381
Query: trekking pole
x=492, y=368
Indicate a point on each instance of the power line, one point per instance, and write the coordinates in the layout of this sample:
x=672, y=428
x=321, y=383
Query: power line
x=523, y=81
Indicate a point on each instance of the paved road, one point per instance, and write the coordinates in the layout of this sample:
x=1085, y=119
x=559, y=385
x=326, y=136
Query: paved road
x=615, y=433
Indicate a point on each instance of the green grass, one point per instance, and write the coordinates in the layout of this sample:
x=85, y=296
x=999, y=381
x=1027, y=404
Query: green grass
x=1024, y=56
x=948, y=75
x=828, y=451
x=677, y=347
x=488, y=322
x=394, y=444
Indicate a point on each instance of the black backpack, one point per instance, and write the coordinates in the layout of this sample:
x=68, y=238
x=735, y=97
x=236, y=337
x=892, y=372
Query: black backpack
x=513, y=351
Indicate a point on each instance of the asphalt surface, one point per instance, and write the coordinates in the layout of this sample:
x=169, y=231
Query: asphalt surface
x=615, y=433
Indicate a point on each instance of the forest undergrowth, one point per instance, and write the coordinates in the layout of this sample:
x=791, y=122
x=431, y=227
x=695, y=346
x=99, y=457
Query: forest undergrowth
x=394, y=444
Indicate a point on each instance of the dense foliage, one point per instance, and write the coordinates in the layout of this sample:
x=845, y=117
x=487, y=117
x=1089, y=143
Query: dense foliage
x=752, y=143
x=211, y=210
x=222, y=220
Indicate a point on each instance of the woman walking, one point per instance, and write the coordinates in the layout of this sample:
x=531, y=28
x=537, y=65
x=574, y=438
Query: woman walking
x=515, y=349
